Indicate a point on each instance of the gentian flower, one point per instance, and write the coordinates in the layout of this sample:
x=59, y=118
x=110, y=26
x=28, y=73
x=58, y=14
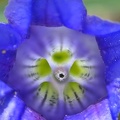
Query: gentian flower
x=59, y=62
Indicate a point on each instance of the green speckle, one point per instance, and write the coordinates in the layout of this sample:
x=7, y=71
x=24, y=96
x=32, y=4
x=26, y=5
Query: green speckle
x=77, y=69
x=43, y=68
x=61, y=56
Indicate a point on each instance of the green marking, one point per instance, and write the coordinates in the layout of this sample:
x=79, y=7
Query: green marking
x=43, y=68
x=61, y=56
x=43, y=87
x=77, y=69
x=51, y=92
x=68, y=91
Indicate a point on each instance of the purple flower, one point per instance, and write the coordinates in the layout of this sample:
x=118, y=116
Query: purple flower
x=51, y=58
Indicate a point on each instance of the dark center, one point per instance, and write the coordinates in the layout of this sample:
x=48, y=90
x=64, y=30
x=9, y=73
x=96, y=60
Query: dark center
x=61, y=75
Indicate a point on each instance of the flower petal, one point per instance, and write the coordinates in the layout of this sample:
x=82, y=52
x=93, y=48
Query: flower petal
x=46, y=12
x=9, y=41
x=11, y=107
x=114, y=95
x=99, y=111
x=110, y=50
x=109, y=46
x=7, y=59
x=74, y=14
x=97, y=26
x=18, y=13
x=9, y=37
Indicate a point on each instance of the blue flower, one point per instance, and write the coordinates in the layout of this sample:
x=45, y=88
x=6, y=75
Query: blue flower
x=48, y=56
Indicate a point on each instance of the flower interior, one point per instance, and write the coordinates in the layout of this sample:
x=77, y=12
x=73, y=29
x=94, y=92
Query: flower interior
x=58, y=72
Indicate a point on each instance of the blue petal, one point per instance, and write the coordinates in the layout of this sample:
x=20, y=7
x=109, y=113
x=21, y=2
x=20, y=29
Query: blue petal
x=48, y=13
x=52, y=13
x=110, y=47
x=99, y=111
x=114, y=95
x=72, y=13
x=110, y=50
x=96, y=26
x=13, y=108
x=7, y=59
x=18, y=13
x=9, y=41
x=45, y=13
x=9, y=37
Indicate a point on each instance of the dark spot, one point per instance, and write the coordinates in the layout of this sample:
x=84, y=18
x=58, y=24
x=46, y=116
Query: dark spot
x=37, y=78
x=37, y=93
x=61, y=75
x=53, y=97
x=39, y=89
x=45, y=97
x=52, y=102
x=32, y=74
x=67, y=97
x=80, y=87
